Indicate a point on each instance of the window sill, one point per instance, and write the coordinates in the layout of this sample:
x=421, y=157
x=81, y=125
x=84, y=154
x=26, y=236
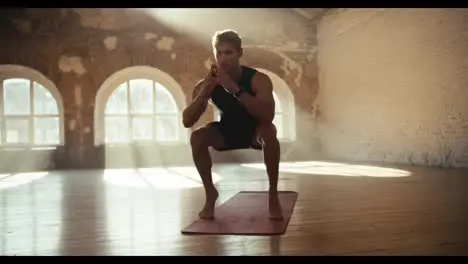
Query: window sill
x=28, y=148
x=143, y=144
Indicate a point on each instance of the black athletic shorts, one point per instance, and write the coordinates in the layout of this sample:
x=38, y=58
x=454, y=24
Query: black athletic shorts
x=237, y=135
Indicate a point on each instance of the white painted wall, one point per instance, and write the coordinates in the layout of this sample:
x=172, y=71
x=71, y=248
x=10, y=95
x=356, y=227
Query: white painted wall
x=394, y=85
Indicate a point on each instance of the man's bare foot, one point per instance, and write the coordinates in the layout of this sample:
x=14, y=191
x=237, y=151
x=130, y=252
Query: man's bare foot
x=208, y=209
x=276, y=212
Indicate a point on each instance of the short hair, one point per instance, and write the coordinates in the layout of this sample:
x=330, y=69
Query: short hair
x=228, y=36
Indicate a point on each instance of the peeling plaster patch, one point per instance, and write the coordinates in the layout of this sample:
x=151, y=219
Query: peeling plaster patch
x=105, y=19
x=71, y=64
x=293, y=45
x=312, y=54
x=173, y=56
x=24, y=26
x=78, y=99
x=86, y=130
x=288, y=63
x=110, y=42
x=72, y=125
x=316, y=111
x=208, y=63
x=150, y=36
x=165, y=43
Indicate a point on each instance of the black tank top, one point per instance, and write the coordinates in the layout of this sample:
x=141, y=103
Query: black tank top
x=231, y=110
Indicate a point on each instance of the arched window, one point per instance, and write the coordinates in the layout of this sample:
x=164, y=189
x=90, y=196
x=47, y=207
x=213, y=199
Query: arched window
x=139, y=104
x=31, y=112
x=285, y=117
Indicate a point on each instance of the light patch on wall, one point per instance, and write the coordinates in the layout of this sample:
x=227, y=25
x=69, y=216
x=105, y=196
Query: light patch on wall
x=86, y=130
x=78, y=99
x=150, y=36
x=411, y=59
x=165, y=43
x=72, y=125
x=110, y=42
x=173, y=56
x=312, y=54
x=71, y=64
x=24, y=26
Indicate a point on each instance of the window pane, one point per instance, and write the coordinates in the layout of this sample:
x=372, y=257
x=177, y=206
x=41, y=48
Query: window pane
x=17, y=131
x=141, y=96
x=44, y=102
x=278, y=121
x=116, y=129
x=117, y=102
x=142, y=128
x=46, y=130
x=167, y=128
x=16, y=97
x=165, y=103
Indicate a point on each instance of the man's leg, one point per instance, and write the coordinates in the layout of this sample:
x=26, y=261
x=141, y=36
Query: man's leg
x=200, y=140
x=271, y=155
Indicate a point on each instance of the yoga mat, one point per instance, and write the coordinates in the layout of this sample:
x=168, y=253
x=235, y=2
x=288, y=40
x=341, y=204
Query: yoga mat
x=246, y=213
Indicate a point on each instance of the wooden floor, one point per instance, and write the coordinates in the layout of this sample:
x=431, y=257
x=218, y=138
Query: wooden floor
x=342, y=209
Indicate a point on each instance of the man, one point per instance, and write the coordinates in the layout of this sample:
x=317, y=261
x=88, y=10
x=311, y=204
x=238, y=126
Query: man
x=244, y=98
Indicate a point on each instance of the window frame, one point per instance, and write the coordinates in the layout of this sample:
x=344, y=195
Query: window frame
x=21, y=72
x=132, y=73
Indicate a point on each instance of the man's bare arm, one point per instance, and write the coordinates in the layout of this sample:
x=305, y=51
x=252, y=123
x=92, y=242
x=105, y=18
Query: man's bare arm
x=197, y=107
x=262, y=105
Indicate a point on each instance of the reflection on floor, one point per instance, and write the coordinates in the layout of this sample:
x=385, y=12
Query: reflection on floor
x=381, y=211
x=161, y=178
x=333, y=168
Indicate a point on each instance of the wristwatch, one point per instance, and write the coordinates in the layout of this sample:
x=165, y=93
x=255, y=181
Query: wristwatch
x=238, y=93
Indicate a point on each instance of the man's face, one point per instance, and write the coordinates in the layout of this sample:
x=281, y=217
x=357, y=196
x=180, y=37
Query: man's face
x=227, y=57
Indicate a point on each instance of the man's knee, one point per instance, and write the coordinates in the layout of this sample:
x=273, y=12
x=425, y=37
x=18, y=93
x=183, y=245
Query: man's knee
x=199, y=137
x=267, y=133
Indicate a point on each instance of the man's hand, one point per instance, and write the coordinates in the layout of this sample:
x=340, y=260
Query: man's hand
x=209, y=83
x=200, y=96
x=226, y=81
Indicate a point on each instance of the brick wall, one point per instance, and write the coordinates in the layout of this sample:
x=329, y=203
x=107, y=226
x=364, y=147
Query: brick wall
x=79, y=49
x=394, y=85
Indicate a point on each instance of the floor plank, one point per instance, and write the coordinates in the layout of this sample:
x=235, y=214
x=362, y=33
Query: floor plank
x=342, y=209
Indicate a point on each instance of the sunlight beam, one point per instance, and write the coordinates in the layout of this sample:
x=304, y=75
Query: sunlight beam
x=159, y=178
x=335, y=169
x=16, y=179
